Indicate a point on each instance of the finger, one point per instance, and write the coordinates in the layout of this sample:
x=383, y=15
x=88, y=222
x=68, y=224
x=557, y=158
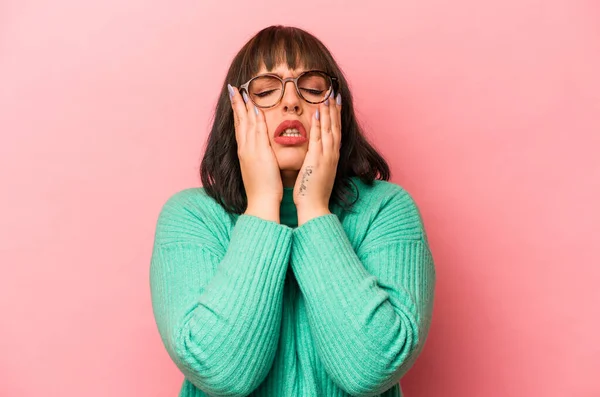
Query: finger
x=261, y=127
x=239, y=113
x=251, y=112
x=314, y=143
x=326, y=136
x=336, y=123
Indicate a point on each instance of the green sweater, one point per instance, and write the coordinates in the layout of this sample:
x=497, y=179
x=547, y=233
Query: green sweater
x=338, y=306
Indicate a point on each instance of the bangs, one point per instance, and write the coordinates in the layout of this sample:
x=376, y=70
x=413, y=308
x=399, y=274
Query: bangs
x=278, y=45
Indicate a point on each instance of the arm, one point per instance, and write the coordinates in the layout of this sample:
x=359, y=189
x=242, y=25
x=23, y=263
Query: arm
x=218, y=309
x=369, y=310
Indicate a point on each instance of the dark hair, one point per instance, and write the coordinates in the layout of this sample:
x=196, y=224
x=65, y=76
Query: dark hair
x=220, y=168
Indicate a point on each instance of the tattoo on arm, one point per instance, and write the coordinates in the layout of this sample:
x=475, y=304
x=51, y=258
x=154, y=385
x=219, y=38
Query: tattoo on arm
x=305, y=176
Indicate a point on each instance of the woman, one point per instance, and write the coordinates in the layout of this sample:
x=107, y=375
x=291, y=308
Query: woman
x=293, y=271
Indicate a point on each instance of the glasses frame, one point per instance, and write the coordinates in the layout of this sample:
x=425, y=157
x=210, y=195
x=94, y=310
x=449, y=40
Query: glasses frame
x=334, y=85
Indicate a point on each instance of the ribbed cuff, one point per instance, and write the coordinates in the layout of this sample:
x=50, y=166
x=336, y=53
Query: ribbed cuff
x=321, y=253
x=251, y=231
x=254, y=265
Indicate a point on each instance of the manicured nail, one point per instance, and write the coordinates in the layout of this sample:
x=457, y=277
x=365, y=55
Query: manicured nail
x=338, y=99
x=246, y=99
x=256, y=110
x=231, y=92
x=317, y=114
x=327, y=102
x=332, y=93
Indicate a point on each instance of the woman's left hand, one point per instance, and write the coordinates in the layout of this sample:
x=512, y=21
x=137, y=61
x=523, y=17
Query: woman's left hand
x=314, y=184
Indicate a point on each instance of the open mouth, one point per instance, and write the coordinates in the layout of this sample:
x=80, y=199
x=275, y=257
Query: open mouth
x=290, y=128
x=290, y=132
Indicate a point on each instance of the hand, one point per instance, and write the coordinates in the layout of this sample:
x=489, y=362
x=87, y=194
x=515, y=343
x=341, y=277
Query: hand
x=314, y=185
x=259, y=167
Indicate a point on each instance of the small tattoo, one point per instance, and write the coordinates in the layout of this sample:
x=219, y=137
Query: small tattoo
x=307, y=172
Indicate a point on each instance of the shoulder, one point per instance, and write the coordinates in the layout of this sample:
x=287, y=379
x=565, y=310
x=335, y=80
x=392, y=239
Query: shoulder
x=384, y=194
x=189, y=214
x=188, y=197
x=387, y=205
x=190, y=202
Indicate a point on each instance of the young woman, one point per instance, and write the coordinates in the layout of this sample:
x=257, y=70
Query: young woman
x=297, y=269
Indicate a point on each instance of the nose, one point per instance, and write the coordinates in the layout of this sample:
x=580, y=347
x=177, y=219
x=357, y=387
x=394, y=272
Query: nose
x=291, y=101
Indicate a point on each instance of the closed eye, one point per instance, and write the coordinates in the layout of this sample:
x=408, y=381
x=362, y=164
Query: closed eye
x=264, y=93
x=313, y=92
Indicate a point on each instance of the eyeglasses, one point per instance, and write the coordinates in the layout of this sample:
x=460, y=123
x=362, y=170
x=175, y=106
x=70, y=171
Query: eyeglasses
x=266, y=90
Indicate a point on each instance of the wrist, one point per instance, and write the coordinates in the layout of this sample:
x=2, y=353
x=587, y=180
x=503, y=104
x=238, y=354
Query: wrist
x=266, y=210
x=306, y=214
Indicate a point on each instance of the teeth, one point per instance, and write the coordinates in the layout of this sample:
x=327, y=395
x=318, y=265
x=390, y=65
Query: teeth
x=291, y=132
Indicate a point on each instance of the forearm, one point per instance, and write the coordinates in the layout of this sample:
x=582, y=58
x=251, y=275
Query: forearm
x=368, y=329
x=222, y=329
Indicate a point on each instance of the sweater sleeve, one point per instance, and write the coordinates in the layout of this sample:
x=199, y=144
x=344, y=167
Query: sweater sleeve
x=217, y=304
x=369, y=310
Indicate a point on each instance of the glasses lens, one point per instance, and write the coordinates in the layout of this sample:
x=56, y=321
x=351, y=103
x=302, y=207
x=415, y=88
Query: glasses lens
x=314, y=86
x=265, y=90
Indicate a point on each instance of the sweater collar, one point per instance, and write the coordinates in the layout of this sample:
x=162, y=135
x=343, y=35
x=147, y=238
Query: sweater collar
x=287, y=212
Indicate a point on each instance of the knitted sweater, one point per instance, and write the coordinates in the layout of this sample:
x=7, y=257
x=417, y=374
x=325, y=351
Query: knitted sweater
x=338, y=306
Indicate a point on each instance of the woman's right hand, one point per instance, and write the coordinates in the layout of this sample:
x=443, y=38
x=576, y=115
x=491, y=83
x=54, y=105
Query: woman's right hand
x=260, y=170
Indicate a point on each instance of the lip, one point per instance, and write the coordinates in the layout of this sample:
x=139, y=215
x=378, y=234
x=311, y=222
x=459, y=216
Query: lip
x=287, y=140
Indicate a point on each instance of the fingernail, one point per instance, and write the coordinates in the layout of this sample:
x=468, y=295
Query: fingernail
x=256, y=110
x=317, y=114
x=338, y=99
x=246, y=99
x=332, y=93
x=327, y=102
x=231, y=92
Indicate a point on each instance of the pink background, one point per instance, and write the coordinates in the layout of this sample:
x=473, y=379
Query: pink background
x=488, y=112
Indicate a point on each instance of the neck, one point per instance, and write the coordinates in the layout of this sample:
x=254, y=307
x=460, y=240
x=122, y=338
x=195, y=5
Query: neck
x=288, y=177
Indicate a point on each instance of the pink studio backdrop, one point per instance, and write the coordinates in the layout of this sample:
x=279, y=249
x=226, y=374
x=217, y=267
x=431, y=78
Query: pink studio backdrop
x=488, y=112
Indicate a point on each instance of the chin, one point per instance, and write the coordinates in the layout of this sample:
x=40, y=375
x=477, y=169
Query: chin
x=290, y=163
